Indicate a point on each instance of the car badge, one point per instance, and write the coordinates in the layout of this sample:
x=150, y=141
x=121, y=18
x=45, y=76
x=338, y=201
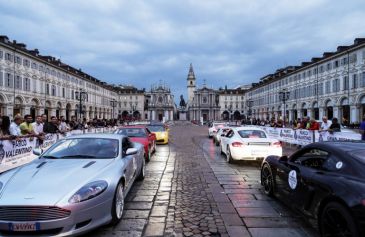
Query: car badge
x=339, y=165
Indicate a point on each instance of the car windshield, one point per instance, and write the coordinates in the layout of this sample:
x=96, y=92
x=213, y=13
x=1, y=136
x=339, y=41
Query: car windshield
x=132, y=132
x=84, y=148
x=359, y=154
x=252, y=134
x=156, y=128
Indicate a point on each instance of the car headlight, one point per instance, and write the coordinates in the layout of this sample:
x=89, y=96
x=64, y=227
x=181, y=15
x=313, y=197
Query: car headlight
x=89, y=191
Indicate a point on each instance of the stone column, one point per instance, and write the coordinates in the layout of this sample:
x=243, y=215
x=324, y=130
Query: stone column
x=336, y=113
x=355, y=113
x=153, y=115
x=321, y=112
x=52, y=111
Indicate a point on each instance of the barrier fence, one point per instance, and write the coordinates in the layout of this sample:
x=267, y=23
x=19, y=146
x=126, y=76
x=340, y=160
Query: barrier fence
x=16, y=152
x=305, y=137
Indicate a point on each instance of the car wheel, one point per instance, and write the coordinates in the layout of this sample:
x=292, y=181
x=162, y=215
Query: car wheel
x=118, y=204
x=336, y=220
x=267, y=180
x=229, y=155
x=142, y=172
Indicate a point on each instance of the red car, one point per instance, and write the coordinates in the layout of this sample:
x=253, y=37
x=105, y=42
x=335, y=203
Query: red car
x=140, y=134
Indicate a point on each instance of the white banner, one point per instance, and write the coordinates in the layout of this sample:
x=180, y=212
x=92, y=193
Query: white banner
x=49, y=140
x=337, y=136
x=16, y=152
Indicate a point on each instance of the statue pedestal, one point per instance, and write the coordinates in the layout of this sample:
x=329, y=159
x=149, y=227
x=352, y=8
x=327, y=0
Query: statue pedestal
x=182, y=116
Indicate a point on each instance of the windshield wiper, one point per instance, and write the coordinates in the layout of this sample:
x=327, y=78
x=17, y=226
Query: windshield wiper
x=50, y=157
x=78, y=156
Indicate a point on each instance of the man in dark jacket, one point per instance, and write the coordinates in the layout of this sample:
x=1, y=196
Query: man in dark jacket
x=51, y=127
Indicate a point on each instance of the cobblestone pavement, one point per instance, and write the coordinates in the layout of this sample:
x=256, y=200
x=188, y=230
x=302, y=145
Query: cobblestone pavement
x=190, y=190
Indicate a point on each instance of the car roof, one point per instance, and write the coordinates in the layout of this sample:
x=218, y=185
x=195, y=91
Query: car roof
x=98, y=135
x=247, y=128
x=345, y=146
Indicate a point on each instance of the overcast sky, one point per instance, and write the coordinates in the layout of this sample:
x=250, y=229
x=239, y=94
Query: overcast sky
x=229, y=42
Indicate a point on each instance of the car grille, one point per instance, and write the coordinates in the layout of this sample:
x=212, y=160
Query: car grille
x=34, y=213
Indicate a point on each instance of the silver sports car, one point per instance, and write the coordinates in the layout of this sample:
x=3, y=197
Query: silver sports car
x=76, y=185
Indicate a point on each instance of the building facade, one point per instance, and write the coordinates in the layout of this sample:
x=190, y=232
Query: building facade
x=160, y=104
x=205, y=105
x=232, y=103
x=34, y=84
x=332, y=85
x=131, y=103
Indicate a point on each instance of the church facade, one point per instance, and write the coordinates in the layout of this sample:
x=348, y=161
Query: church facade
x=160, y=104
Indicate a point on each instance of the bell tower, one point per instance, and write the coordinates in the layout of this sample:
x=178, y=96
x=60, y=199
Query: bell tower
x=191, y=84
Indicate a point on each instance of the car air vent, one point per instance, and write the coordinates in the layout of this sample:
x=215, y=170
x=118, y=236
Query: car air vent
x=89, y=164
x=41, y=164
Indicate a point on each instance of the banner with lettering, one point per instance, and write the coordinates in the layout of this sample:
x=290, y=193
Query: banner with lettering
x=49, y=140
x=16, y=152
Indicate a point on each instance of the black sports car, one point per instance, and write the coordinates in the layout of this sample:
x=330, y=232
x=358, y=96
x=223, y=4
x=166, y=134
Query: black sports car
x=324, y=181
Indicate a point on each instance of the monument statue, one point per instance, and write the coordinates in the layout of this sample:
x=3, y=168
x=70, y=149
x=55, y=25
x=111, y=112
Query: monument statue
x=182, y=102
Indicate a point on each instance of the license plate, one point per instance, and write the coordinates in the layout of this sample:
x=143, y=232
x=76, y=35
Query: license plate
x=257, y=153
x=24, y=226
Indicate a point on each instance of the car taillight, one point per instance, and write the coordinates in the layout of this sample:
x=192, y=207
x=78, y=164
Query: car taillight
x=276, y=144
x=237, y=144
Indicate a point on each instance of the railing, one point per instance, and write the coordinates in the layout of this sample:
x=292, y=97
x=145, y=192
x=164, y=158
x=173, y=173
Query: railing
x=19, y=151
x=305, y=137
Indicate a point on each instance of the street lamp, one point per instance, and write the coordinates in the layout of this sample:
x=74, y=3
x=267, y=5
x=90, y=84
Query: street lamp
x=249, y=104
x=284, y=96
x=113, y=104
x=81, y=96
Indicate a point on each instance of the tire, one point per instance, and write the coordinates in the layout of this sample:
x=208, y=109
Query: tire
x=149, y=154
x=228, y=155
x=142, y=172
x=336, y=220
x=118, y=204
x=267, y=180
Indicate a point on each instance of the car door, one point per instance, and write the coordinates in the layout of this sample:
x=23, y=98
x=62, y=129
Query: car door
x=298, y=176
x=224, y=140
x=130, y=161
x=151, y=138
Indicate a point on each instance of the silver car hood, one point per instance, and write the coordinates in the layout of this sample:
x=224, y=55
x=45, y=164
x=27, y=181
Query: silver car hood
x=46, y=182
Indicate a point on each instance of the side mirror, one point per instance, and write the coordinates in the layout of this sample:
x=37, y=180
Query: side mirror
x=131, y=151
x=283, y=159
x=37, y=151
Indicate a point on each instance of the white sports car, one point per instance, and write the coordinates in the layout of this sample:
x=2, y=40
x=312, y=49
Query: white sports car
x=213, y=129
x=249, y=143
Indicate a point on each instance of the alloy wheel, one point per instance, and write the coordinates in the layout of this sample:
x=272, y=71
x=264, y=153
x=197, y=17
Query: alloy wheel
x=119, y=201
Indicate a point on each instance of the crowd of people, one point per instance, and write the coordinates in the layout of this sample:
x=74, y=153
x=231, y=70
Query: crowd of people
x=26, y=126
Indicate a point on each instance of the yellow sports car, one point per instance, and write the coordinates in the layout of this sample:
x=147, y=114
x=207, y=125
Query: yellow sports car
x=162, y=133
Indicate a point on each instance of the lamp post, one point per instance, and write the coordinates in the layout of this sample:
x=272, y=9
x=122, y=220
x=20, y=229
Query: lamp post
x=81, y=96
x=284, y=96
x=113, y=104
x=249, y=104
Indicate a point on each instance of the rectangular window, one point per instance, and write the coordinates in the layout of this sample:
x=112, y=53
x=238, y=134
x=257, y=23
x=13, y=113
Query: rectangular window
x=47, y=89
x=345, y=83
x=72, y=94
x=1, y=54
x=355, y=83
x=9, y=80
x=321, y=69
x=63, y=92
x=18, y=60
x=18, y=82
x=363, y=54
x=34, y=65
x=329, y=66
x=320, y=89
x=1, y=78
x=34, y=85
x=8, y=57
x=26, y=63
x=362, y=80
x=344, y=61
x=353, y=58
x=335, y=64
x=309, y=73
x=26, y=84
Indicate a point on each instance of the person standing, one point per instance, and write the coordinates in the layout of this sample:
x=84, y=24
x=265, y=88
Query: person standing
x=51, y=127
x=362, y=128
x=63, y=127
x=38, y=125
x=335, y=126
x=26, y=127
x=4, y=127
x=325, y=124
x=15, y=126
x=313, y=125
